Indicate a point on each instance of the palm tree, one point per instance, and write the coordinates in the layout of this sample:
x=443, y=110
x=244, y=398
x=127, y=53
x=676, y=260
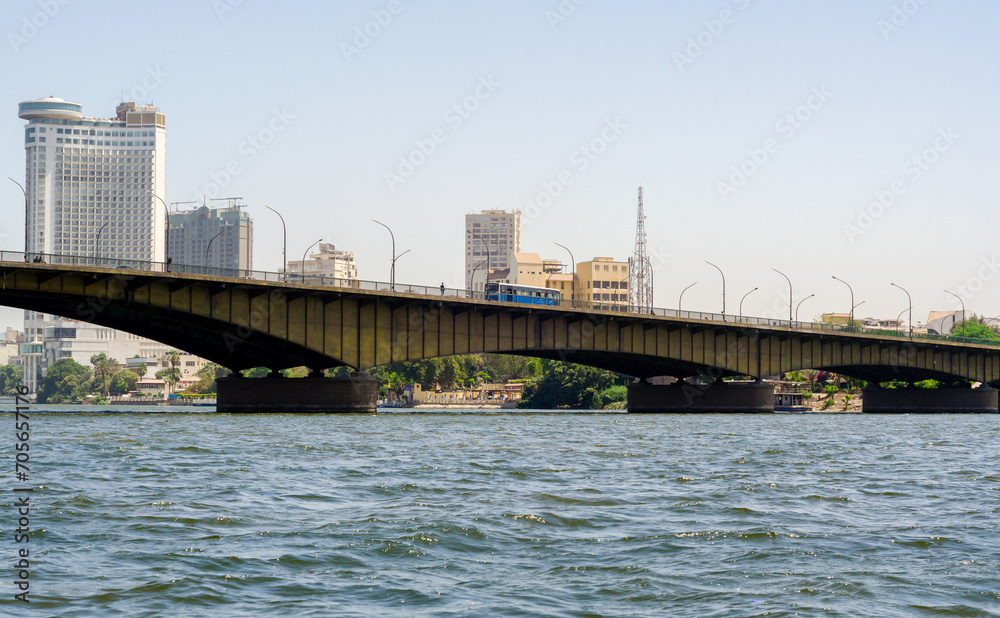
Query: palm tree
x=141, y=370
x=103, y=368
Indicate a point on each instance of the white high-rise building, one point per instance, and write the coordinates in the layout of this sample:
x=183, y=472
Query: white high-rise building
x=94, y=178
x=91, y=186
x=490, y=236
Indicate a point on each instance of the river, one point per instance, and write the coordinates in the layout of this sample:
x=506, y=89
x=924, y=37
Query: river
x=182, y=512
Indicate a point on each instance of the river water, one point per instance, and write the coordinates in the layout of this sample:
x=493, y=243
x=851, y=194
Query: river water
x=187, y=513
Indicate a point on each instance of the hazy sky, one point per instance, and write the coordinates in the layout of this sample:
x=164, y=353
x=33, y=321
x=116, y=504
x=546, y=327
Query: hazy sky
x=855, y=138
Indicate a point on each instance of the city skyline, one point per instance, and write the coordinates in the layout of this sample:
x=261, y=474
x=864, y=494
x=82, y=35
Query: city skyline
x=830, y=139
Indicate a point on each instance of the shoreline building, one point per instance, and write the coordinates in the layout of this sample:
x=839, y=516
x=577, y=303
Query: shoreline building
x=491, y=237
x=327, y=262
x=213, y=237
x=92, y=187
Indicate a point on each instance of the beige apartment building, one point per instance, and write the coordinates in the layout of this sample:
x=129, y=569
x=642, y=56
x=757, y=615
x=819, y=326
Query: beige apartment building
x=604, y=282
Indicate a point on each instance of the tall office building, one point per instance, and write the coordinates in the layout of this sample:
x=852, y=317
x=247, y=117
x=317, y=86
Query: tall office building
x=491, y=236
x=215, y=237
x=91, y=188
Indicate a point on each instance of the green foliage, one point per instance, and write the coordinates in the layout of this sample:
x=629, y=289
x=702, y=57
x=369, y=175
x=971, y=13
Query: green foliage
x=295, y=372
x=256, y=372
x=830, y=390
x=123, y=381
x=11, y=378
x=65, y=380
x=206, y=379
x=566, y=385
x=104, y=368
x=974, y=329
x=894, y=384
x=171, y=376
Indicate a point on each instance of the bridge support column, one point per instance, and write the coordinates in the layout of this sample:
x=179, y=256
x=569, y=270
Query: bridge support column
x=904, y=400
x=681, y=397
x=357, y=393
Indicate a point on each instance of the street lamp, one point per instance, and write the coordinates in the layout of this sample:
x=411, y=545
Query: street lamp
x=473, y=277
x=723, y=289
x=789, y=294
x=961, y=300
x=392, y=263
x=166, y=238
x=910, y=300
x=741, y=302
x=572, y=282
x=681, y=298
x=304, y=258
x=284, y=244
x=208, y=249
x=97, y=248
x=25, y=193
x=487, y=245
x=799, y=304
x=899, y=316
x=851, y=318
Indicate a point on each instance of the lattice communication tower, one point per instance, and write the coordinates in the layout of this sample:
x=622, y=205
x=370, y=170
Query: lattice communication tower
x=640, y=273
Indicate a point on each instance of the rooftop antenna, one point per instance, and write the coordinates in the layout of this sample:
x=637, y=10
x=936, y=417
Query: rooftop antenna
x=234, y=202
x=641, y=275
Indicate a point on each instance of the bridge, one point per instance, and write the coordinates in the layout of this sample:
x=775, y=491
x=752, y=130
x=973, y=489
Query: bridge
x=251, y=319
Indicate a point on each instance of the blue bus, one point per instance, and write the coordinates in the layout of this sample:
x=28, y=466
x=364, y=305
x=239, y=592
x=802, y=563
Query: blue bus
x=513, y=293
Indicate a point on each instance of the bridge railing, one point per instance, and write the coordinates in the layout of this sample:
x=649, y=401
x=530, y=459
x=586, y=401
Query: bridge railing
x=406, y=288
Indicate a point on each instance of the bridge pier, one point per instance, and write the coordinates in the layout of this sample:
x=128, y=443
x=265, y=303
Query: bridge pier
x=682, y=397
x=357, y=394
x=930, y=400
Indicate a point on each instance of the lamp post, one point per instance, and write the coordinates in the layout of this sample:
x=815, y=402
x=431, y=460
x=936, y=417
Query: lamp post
x=284, y=244
x=25, y=193
x=723, y=288
x=681, y=297
x=741, y=302
x=789, y=294
x=392, y=262
x=97, y=248
x=572, y=282
x=851, y=318
x=800, y=304
x=900, y=316
x=208, y=249
x=961, y=300
x=472, y=279
x=487, y=245
x=909, y=300
x=166, y=221
x=304, y=258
